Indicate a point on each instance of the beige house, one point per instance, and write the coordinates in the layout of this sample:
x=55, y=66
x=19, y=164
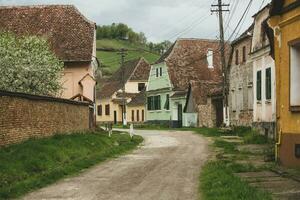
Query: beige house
x=71, y=37
x=240, y=78
x=110, y=101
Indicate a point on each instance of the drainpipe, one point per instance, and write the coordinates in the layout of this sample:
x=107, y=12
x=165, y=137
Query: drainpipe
x=277, y=145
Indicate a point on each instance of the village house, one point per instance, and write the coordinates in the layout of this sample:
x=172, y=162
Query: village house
x=205, y=103
x=71, y=37
x=186, y=61
x=284, y=36
x=240, y=78
x=264, y=104
x=110, y=102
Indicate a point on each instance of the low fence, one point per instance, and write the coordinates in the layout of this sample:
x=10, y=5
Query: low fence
x=24, y=116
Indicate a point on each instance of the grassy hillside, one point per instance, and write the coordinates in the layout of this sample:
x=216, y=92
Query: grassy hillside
x=110, y=61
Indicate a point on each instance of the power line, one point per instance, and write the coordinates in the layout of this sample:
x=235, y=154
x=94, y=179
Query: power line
x=238, y=24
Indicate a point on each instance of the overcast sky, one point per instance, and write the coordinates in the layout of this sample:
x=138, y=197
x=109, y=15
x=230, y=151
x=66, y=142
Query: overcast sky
x=161, y=19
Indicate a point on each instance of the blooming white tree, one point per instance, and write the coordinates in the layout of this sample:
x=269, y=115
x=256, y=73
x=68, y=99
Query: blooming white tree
x=28, y=65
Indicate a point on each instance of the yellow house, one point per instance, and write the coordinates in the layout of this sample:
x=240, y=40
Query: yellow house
x=284, y=34
x=71, y=37
x=110, y=102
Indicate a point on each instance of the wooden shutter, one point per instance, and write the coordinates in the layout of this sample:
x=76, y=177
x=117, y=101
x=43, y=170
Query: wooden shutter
x=258, y=85
x=137, y=115
x=132, y=115
x=99, y=110
x=244, y=54
x=143, y=115
x=268, y=84
x=107, y=109
x=237, y=57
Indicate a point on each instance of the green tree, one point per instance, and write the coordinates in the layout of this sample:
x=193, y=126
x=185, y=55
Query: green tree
x=28, y=65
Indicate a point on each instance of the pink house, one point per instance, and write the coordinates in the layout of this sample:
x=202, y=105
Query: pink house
x=71, y=36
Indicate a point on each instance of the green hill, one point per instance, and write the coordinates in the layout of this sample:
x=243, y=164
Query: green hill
x=110, y=61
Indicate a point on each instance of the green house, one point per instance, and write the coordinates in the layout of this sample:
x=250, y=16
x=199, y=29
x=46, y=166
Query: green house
x=169, y=79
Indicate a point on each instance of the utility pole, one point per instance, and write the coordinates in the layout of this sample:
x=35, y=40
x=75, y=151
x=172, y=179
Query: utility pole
x=123, y=54
x=220, y=8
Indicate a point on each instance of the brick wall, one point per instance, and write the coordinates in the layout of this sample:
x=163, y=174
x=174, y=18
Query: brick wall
x=24, y=116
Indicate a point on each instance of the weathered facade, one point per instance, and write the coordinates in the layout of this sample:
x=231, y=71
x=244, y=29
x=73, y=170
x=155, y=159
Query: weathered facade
x=284, y=36
x=264, y=109
x=204, y=99
x=187, y=60
x=241, y=81
x=71, y=37
x=110, y=97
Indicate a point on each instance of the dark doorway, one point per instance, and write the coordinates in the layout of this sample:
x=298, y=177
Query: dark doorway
x=115, y=117
x=219, y=112
x=179, y=115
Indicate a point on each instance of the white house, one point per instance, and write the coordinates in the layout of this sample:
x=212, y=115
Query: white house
x=264, y=105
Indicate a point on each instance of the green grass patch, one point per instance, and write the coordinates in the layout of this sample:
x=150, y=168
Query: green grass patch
x=228, y=147
x=219, y=182
x=39, y=162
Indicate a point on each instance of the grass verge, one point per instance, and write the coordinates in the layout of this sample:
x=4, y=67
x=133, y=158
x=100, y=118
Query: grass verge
x=39, y=162
x=219, y=182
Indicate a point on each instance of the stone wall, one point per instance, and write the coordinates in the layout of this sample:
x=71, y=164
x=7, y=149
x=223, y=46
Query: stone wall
x=24, y=116
x=206, y=116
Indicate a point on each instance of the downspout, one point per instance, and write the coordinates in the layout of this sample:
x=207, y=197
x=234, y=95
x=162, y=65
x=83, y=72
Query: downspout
x=277, y=145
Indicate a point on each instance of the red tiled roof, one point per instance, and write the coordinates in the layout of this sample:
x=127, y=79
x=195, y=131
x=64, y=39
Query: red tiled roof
x=69, y=33
x=187, y=61
x=139, y=99
x=134, y=70
x=201, y=90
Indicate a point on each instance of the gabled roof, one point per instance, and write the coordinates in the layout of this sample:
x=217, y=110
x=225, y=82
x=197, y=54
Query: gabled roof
x=69, y=33
x=246, y=34
x=134, y=70
x=187, y=60
x=201, y=90
x=139, y=99
x=262, y=9
x=87, y=76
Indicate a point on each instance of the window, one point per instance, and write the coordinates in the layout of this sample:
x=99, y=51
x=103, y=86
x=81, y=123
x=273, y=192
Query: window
x=167, y=104
x=99, y=110
x=107, y=109
x=138, y=115
x=210, y=58
x=244, y=54
x=141, y=86
x=237, y=57
x=258, y=85
x=143, y=115
x=156, y=72
x=153, y=103
x=132, y=115
x=295, y=77
x=268, y=84
x=160, y=71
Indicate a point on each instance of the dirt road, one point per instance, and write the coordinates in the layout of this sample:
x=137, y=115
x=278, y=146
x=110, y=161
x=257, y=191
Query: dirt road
x=167, y=166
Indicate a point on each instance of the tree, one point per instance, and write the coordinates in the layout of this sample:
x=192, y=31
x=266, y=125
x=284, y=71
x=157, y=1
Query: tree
x=28, y=65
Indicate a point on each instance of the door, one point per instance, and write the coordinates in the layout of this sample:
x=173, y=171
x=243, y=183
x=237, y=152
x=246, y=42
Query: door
x=115, y=117
x=219, y=112
x=179, y=115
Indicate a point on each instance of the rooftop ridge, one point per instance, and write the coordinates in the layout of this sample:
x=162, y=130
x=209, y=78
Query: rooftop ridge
x=49, y=6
